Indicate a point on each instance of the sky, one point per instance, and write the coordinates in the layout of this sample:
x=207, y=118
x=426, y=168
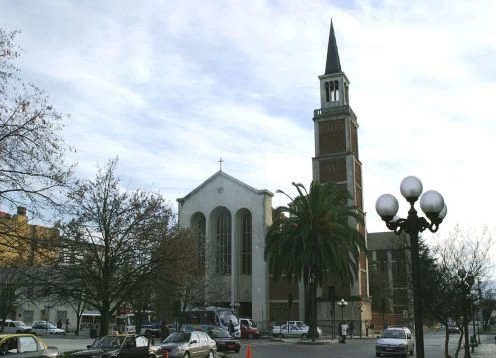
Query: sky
x=170, y=87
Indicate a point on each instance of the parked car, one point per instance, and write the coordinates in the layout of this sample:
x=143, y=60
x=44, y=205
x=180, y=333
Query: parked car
x=26, y=345
x=122, y=346
x=249, y=328
x=292, y=330
x=41, y=328
x=224, y=341
x=453, y=329
x=10, y=326
x=394, y=341
x=151, y=328
x=189, y=345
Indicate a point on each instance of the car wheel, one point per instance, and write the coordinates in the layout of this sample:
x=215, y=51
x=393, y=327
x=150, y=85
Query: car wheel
x=303, y=336
x=237, y=350
x=186, y=355
x=377, y=354
x=211, y=354
x=250, y=336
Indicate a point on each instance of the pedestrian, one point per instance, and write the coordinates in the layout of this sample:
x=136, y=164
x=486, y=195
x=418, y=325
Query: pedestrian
x=351, y=328
x=67, y=325
x=231, y=328
x=340, y=331
x=59, y=323
x=366, y=328
x=344, y=330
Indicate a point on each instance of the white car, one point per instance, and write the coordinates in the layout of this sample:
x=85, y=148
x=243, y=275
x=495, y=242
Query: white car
x=41, y=328
x=292, y=330
x=395, y=341
x=10, y=326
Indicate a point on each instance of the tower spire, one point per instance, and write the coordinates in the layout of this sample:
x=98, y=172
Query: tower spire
x=333, y=65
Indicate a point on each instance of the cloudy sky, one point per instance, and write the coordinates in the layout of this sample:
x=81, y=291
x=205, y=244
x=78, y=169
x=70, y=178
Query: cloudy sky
x=172, y=86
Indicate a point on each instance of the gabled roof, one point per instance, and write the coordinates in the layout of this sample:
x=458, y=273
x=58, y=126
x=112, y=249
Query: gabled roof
x=333, y=65
x=220, y=173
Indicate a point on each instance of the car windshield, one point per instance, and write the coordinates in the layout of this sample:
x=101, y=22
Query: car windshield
x=393, y=334
x=227, y=315
x=108, y=342
x=19, y=323
x=51, y=325
x=178, y=337
x=219, y=334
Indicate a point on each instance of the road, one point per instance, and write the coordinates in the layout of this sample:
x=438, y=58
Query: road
x=266, y=347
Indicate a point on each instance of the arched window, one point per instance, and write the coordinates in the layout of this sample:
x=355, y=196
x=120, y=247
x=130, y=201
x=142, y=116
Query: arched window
x=223, y=242
x=246, y=240
x=336, y=91
x=327, y=90
x=199, y=232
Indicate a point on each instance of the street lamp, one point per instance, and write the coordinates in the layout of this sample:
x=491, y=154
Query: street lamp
x=432, y=204
x=465, y=282
x=360, y=312
x=342, y=304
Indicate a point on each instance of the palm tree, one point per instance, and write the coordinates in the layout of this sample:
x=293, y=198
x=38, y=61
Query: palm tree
x=313, y=238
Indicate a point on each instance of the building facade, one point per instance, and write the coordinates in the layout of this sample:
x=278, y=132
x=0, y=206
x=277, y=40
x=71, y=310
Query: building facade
x=230, y=220
x=337, y=160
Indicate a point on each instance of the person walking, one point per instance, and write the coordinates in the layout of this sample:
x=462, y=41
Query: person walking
x=351, y=328
x=231, y=328
x=340, y=331
x=344, y=330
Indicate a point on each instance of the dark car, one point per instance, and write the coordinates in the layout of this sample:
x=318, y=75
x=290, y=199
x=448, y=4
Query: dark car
x=224, y=341
x=130, y=346
x=26, y=345
x=453, y=329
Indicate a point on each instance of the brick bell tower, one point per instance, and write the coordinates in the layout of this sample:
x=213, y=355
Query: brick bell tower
x=336, y=157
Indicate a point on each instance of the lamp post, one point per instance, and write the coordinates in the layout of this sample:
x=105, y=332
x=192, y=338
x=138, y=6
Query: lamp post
x=464, y=283
x=342, y=304
x=360, y=312
x=432, y=204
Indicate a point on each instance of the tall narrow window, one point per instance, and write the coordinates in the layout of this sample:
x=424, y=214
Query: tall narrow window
x=223, y=243
x=327, y=91
x=246, y=239
x=200, y=237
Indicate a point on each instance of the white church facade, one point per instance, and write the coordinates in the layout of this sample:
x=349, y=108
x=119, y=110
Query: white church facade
x=231, y=219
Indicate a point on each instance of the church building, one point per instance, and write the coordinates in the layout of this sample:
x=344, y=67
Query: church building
x=230, y=218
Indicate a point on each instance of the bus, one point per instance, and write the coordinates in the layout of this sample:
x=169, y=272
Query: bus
x=208, y=318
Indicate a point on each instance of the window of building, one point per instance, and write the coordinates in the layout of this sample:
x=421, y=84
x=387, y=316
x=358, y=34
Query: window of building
x=332, y=165
x=223, y=243
x=246, y=240
x=200, y=237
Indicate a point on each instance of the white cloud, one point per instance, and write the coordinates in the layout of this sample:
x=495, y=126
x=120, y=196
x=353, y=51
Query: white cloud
x=172, y=87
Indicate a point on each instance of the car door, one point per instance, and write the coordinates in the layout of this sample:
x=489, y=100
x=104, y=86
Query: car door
x=28, y=347
x=195, y=346
x=134, y=347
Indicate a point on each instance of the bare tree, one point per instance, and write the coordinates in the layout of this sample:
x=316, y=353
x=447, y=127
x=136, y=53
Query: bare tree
x=459, y=250
x=32, y=166
x=109, y=243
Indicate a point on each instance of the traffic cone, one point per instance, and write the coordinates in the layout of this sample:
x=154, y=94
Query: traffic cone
x=166, y=354
x=248, y=352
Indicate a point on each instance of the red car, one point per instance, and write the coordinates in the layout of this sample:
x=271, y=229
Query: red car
x=249, y=328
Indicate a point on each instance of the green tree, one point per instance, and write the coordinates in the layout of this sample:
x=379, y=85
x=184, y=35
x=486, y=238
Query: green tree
x=314, y=238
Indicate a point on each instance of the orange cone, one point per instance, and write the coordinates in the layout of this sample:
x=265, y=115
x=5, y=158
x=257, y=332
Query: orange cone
x=248, y=352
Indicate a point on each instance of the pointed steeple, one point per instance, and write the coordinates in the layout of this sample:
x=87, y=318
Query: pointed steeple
x=332, y=64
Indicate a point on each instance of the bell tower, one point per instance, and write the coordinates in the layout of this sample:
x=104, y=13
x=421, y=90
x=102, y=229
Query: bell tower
x=336, y=146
